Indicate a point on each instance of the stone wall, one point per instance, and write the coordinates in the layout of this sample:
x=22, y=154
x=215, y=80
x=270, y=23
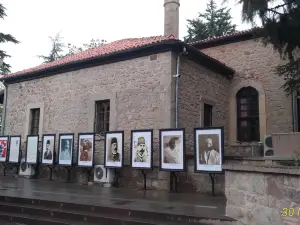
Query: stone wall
x=255, y=66
x=198, y=86
x=139, y=91
x=261, y=195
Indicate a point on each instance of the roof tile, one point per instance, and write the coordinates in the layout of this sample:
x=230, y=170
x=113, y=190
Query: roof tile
x=113, y=47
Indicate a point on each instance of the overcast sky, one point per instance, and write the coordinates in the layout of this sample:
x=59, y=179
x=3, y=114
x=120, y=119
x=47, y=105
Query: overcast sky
x=78, y=21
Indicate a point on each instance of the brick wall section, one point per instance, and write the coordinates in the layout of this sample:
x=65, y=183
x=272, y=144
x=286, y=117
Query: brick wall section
x=198, y=84
x=141, y=88
x=252, y=60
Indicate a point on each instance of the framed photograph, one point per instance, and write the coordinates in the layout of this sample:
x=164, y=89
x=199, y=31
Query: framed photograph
x=32, y=149
x=48, y=153
x=141, y=151
x=65, y=151
x=114, y=149
x=172, y=149
x=86, y=147
x=209, y=149
x=3, y=148
x=14, y=149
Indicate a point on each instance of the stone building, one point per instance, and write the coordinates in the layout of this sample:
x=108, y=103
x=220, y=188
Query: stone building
x=130, y=84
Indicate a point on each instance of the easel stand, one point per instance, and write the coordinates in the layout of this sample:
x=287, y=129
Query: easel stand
x=4, y=168
x=69, y=169
x=36, y=170
x=144, y=172
x=117, y=175
x=89, y=172
x=174, y=181
x=212, y=178
x=51, y=167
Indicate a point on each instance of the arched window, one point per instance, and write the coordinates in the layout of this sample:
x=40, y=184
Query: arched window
x=247, y=115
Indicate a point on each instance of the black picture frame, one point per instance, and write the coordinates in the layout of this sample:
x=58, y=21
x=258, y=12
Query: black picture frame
x=105, y=150
x=53, y=153
x=160, y=149
x=78, y=150
x=73, y=145
x=7, y=148
x=196, y=150
x=131, y=149
x=19, y=153
x=37, y=149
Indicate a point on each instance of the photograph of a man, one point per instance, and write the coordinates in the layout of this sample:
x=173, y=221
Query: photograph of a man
x=114, y=154
x=208, y=148
x=48, y=151
x=141, y=151
x=65, y=152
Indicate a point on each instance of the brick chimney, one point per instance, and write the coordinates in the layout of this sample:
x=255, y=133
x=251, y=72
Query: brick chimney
x=171, y=17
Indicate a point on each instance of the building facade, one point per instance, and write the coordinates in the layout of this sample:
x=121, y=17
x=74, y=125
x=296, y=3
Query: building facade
x=130, y=84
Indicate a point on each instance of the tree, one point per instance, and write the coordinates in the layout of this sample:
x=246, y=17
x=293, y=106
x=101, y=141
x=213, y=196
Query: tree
x=72, y=49
x=280, y=28
x=4, y=38
x=56, y=51
x=214, y=22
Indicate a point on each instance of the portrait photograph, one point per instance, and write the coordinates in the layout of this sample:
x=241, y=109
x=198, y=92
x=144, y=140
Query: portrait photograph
x=209, y=149
x=48, y=149
x=66, y=145
x=172, y=148
x=141, y=149
x=3, y=148
x=114, y=149
x=86, y=144
x=32, y=149
x=14, y=149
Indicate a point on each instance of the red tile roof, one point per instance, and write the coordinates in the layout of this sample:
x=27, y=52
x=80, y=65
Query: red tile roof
x=235, y=34
x=112, y=47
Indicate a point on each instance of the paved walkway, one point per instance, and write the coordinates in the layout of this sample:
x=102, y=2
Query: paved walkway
x=154, y=201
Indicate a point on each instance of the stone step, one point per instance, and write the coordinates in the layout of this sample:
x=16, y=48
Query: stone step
x=111, y=211
x=72, y=216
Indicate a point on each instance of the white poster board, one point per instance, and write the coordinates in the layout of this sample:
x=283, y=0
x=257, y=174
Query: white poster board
x=48, y=149
x=14, y=149
x=32, y=149
x=141, y=149
x=114, y=149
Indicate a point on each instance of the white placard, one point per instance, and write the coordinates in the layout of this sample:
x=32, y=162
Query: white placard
x=32, y=149
x=48, y=149
x=141, y=149
x=114, y=149
x=85, y=150
x=172, y=149
x=65, y=149
x=3, y=148
x=209, y=150
x=14, y=149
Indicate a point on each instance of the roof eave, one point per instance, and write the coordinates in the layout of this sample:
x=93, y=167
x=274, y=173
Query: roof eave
x=209, y=62
x=96, y=61
x=242, y=36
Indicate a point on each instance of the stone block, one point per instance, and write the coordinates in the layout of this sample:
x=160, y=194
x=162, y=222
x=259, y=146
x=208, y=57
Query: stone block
x=162, y=175
x=235, y=197
x=292, y=194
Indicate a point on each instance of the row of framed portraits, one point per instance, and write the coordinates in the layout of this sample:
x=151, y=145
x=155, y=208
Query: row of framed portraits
x=208, y=147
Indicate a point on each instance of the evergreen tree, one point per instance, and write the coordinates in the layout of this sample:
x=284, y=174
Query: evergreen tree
x=214, y=22
x=4, y=38
x=280, y=28
x=56, y=51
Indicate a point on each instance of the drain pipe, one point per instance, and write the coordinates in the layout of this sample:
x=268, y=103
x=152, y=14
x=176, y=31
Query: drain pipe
x=184, y=52
x=295, y=111
x=177, y=76
x=4, y=108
